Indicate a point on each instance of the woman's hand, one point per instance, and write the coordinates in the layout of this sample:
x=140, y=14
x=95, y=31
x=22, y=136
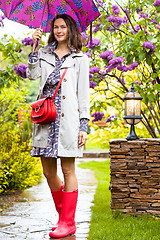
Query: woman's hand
x=82, y=138
x=37, y=35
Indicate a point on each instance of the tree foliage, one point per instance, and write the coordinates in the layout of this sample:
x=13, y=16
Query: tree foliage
x=125, y=49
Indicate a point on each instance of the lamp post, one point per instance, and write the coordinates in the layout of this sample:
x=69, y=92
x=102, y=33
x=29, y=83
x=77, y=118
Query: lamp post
x=132, y=115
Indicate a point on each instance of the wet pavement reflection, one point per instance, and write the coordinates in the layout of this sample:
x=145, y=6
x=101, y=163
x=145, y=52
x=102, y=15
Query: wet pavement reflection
x=33, y=214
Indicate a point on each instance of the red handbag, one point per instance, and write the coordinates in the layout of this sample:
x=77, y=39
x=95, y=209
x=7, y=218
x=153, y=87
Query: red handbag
x=44, y=110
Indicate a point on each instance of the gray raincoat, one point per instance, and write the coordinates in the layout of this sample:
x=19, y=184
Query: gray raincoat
x=75, y=104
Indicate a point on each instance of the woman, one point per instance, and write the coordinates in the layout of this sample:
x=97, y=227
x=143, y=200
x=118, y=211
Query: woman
x=66, y=136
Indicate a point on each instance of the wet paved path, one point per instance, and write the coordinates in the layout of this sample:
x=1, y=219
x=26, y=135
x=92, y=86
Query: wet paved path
x=33, y=214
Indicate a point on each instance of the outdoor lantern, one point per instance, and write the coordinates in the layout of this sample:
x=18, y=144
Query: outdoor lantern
x=132, y=115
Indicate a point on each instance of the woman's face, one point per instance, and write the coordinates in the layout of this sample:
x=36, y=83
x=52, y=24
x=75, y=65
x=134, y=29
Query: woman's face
x=60, y=30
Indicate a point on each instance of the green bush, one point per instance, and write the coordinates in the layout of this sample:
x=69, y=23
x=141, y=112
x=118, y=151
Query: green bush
x=18, y=170
x=99, y=138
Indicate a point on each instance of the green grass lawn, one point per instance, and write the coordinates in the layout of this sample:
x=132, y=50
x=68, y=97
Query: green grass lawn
x=116, y=226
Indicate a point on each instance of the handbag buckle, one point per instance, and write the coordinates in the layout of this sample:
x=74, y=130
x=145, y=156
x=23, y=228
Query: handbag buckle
x=37, y=109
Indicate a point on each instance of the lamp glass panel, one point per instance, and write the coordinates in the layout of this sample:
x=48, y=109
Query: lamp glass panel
x=137, y=107
x=133, y=107
x=130, y=106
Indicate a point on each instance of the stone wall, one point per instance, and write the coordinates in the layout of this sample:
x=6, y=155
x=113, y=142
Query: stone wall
x=135, y=176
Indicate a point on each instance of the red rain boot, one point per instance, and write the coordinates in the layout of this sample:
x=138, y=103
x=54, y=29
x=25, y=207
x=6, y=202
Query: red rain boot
x=66, y=224
x=57, y=198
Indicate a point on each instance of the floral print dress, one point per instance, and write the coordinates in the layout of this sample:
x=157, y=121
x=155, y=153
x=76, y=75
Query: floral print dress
x=52, y=146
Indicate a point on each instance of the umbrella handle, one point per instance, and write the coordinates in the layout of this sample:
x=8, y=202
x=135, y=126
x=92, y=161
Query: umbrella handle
x=36, y=46
x=91, y=33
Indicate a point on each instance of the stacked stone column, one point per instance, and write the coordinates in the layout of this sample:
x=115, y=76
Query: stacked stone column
x=135, y=176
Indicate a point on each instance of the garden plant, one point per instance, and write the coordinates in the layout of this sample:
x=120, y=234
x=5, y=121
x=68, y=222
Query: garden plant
x=18, y=170
x=124, y=49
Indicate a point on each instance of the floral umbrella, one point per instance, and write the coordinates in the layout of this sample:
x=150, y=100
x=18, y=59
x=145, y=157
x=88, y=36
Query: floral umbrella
x=40, y=13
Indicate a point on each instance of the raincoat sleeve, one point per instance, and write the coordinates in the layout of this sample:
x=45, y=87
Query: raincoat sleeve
x=83, y=88
x=84, y=124
x=34, y=68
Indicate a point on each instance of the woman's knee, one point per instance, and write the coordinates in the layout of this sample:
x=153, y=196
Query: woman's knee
x=49, y=168
x=68, y=166
x=49, y=173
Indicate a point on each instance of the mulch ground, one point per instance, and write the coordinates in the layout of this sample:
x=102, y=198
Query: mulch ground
x=8, y=199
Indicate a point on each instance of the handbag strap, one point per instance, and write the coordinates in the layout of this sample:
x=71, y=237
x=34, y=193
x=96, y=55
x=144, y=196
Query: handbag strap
x=59, y=83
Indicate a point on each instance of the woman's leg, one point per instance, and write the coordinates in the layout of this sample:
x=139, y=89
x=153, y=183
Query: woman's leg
x=50, y=172
x=54, y=182
x=68, y=169
x=66, y=225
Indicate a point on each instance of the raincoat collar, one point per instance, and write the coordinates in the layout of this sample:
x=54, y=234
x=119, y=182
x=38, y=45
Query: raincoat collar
x=50, y=56
x=52, y=46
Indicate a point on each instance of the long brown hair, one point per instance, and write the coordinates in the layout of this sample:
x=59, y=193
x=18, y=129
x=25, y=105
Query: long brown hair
x=75, y=38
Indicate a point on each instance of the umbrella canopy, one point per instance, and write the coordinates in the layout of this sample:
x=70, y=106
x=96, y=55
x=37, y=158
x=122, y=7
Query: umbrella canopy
x=40, y=13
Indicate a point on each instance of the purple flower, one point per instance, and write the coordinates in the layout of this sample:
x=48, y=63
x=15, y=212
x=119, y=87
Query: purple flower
x=133, y=66
x=117, y=63
x=116, y=20
x=111, y=118
x=92, y=84
x=110, y=29
x=97, y=28
x=84, y=35
x=158, y=26
x=124, y=68
x=143, y=15
x=133, y=32
x=1, y=20
x=88, y=54
x=115, y=9
x=137, y=27
x=90, y=76
x=109, y=68
x=148, y=45
x=125, y=20
x=154, y=81
x=116, y=60
x=21, y=70
x=99, y=3
x=157, y=3
x=136, y=82
x=126, y=11
x=97, y=116
x=150, y=51
x=94, y=70
x=107, y=54
x=28, y=41
x=102, y=72
x=95, y=42
x=139, y=10
x=101, y=77
x=154, y=20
